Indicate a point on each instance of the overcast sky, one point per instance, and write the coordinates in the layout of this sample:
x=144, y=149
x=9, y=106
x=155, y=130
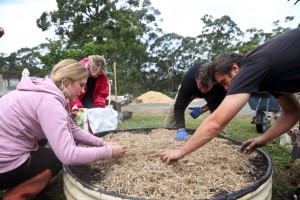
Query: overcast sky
x=18, y=17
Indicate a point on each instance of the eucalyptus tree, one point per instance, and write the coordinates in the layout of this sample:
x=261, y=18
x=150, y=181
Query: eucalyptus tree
x=13, y=64
x=254, y=37
x=134, y=82
x=171, y=55
x=164, y=53
x=219, y=35
x=122, y=27
x=30, y=58
x=10, y=69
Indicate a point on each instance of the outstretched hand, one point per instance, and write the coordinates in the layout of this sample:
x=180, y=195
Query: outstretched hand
x=118, y=150
x=171, y=155
x=250, y=145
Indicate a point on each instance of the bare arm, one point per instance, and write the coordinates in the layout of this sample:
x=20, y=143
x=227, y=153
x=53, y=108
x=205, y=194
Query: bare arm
x=288, y=118
x=210, y=127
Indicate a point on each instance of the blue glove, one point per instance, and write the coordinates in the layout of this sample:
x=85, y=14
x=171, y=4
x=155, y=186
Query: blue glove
x=196, y=112
x=181, y=135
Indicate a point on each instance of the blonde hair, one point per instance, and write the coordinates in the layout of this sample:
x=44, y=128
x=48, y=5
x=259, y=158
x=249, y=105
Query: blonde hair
x=98, y=61
x=67, y=68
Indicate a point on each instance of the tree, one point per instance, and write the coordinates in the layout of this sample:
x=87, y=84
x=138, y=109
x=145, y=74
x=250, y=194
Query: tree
x=219, y=35
x=123, y=28
x=258, y=37
x=10, y=69
x=171, y=55
x=12, y=65
x=134, y=82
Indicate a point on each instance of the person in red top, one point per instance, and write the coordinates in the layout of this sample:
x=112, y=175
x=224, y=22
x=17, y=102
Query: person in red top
x=97, y=87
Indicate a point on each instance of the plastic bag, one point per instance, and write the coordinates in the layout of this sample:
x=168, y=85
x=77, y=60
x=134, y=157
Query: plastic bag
x=98, y=119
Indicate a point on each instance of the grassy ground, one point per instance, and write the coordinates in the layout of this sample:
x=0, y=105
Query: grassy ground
x=240, y=128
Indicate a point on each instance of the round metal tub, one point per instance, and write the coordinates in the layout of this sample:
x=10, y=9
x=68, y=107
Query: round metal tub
x=76, y=189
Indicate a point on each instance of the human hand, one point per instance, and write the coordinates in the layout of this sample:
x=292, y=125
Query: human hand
x=196, y=112
x=118, y=150
x=181, y=135
x=250, y=145
x=174, y=154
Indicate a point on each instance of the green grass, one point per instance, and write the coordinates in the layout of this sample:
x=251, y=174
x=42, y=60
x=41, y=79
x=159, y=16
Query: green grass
x=240, y=128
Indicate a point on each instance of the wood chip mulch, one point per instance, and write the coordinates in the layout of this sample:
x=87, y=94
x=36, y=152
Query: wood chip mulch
x=215, y=169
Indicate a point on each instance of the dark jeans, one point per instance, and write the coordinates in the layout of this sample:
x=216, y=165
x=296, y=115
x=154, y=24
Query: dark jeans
x=38, y=161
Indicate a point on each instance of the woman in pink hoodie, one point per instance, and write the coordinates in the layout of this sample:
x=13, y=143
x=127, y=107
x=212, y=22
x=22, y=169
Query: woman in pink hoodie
x=38, y=109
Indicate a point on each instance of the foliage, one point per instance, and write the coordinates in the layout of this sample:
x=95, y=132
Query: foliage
x=126, y=33
x=219, y=35
x=118, y=29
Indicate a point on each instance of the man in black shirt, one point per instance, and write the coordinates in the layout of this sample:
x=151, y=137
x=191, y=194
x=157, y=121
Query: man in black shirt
x=274, y=67
x=196, y=83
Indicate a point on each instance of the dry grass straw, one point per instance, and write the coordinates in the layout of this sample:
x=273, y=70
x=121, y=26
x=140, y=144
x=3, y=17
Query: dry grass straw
x=216, y=168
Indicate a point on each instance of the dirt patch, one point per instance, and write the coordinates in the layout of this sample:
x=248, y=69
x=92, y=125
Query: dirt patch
x=163, y=108
x=215, y=169
x=154, y=97
x=292, y=175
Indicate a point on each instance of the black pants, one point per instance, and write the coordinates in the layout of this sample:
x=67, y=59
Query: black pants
x=38, y=161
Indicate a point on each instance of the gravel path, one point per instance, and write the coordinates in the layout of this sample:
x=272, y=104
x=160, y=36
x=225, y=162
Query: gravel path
x=163, y=107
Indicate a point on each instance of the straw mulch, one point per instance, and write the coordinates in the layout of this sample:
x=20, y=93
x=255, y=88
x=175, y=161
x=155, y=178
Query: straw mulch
x=215, y=169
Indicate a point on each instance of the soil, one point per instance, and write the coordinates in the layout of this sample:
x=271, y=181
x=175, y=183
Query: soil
x=215, y=169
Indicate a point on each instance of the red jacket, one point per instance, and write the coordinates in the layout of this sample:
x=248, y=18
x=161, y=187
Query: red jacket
x=100, y=92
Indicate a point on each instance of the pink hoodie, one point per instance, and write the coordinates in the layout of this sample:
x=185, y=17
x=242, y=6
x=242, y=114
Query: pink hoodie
x=34, y=111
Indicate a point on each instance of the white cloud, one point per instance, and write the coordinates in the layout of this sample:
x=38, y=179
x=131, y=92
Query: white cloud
x=19, y=23
x=181, y=17
x=184, y=17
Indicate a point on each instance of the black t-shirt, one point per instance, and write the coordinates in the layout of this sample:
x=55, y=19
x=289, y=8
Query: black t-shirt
x=189, y=91
x=273, y=67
